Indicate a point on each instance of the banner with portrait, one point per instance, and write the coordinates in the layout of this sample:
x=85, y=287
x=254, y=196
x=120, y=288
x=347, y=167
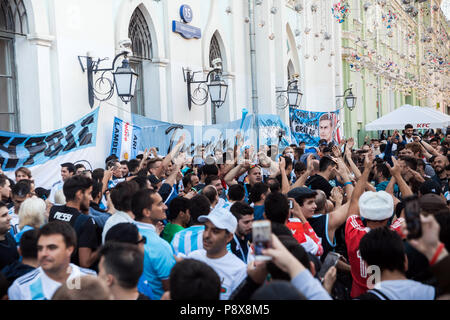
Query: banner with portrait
x=310, y=126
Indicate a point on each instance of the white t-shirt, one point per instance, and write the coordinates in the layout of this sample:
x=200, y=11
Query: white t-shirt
x=116, y=218
x=231, y=270
x=36, y=285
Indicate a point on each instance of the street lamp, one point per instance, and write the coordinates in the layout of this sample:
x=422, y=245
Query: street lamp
x=218, y=89
x=349, y=99
x=214, y=86
x=291, y=97
x=125, y=79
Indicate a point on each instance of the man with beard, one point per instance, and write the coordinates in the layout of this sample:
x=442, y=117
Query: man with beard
x=327, y=172
x=439, y=165
x=77, y=191
x=240, y=245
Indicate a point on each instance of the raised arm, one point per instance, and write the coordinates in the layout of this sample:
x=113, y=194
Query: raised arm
x=348, y=156
x=284, y=180
x=396, y=173
x=309, y=170
x=431, y=151
x=144, y=159
x=360, y=187
x=172, y=179
x=339, y=216
x=167, y=159
x=230, y=178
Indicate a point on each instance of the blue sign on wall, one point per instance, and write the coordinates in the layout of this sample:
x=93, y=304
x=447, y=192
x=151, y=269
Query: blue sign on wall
x=187, y=31
x=186, y=13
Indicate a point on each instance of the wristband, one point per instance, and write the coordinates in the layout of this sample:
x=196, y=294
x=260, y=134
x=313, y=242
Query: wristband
x=436, y=254
x=347, y=183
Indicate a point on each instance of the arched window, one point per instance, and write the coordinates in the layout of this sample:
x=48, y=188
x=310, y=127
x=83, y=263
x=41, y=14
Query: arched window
x=13, y=23
x=13, y=17
x=139, y=34
x=141, y=40
x=214, y=53
x=214, y=50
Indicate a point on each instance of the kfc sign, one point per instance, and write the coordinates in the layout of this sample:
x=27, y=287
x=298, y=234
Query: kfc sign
x=423, y=126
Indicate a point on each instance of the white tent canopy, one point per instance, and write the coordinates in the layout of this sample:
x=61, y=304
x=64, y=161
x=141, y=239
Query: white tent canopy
x=418, y=117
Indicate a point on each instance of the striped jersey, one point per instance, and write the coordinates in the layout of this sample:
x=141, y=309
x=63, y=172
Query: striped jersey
x=14, y=221
x=188, y=240
x=36, y=285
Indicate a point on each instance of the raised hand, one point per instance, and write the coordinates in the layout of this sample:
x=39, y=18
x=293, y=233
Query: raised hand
x=350, y=143
x=336, y=152
x=282, y=164
x=396, y=170
x=309, y=164
x=368, y=162
x=336, y=195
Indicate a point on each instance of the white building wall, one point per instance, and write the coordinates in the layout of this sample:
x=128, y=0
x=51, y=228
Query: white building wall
x=53, y=89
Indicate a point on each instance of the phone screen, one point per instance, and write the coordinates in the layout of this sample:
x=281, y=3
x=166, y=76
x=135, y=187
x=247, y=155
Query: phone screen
x=412, y=218
x=261, y=235
x=330, y=261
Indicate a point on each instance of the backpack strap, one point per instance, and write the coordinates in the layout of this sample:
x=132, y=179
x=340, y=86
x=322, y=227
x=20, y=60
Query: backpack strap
x=378, y=292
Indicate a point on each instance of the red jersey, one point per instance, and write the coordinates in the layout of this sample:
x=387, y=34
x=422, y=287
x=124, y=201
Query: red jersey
x=306, y=236
x=354, y=231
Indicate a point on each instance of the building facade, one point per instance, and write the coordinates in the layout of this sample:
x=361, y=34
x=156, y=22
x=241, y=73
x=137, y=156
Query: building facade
x=394, y=53
x=46, y=88
x=383, y=50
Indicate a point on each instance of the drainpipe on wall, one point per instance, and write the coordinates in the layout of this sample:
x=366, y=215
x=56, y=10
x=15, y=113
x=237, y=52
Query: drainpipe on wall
x=251, y=12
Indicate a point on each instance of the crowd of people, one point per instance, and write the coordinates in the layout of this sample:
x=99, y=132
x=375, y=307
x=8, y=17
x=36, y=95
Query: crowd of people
x=175, y=227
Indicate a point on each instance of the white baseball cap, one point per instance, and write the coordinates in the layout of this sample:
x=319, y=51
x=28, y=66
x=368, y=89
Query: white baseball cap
x=376, y=206
x=221, y=218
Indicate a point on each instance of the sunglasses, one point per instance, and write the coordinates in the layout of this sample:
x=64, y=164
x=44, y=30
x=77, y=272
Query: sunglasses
x=143, y=240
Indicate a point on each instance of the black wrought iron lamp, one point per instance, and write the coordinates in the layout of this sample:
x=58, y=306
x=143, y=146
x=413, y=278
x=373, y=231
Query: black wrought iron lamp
x=291, y=97
x=349, y=99
x=213, y=87
x=125, y=79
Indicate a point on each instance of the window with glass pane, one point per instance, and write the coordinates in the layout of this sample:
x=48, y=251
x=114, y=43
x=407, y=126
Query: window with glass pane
x=7, y=86
x=13, y=23
x=141, y=40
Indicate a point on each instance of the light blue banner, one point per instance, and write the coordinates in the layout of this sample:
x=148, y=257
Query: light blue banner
x=164, y=135
x=19, y=150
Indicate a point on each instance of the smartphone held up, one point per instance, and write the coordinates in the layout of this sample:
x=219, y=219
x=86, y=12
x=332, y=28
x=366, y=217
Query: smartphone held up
x=261, y=235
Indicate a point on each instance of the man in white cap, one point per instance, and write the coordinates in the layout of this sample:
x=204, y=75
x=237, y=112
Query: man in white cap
x=220, y=226
x=376, y=209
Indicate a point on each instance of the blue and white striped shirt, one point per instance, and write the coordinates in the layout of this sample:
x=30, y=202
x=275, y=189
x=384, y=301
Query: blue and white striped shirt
x=188, y=240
